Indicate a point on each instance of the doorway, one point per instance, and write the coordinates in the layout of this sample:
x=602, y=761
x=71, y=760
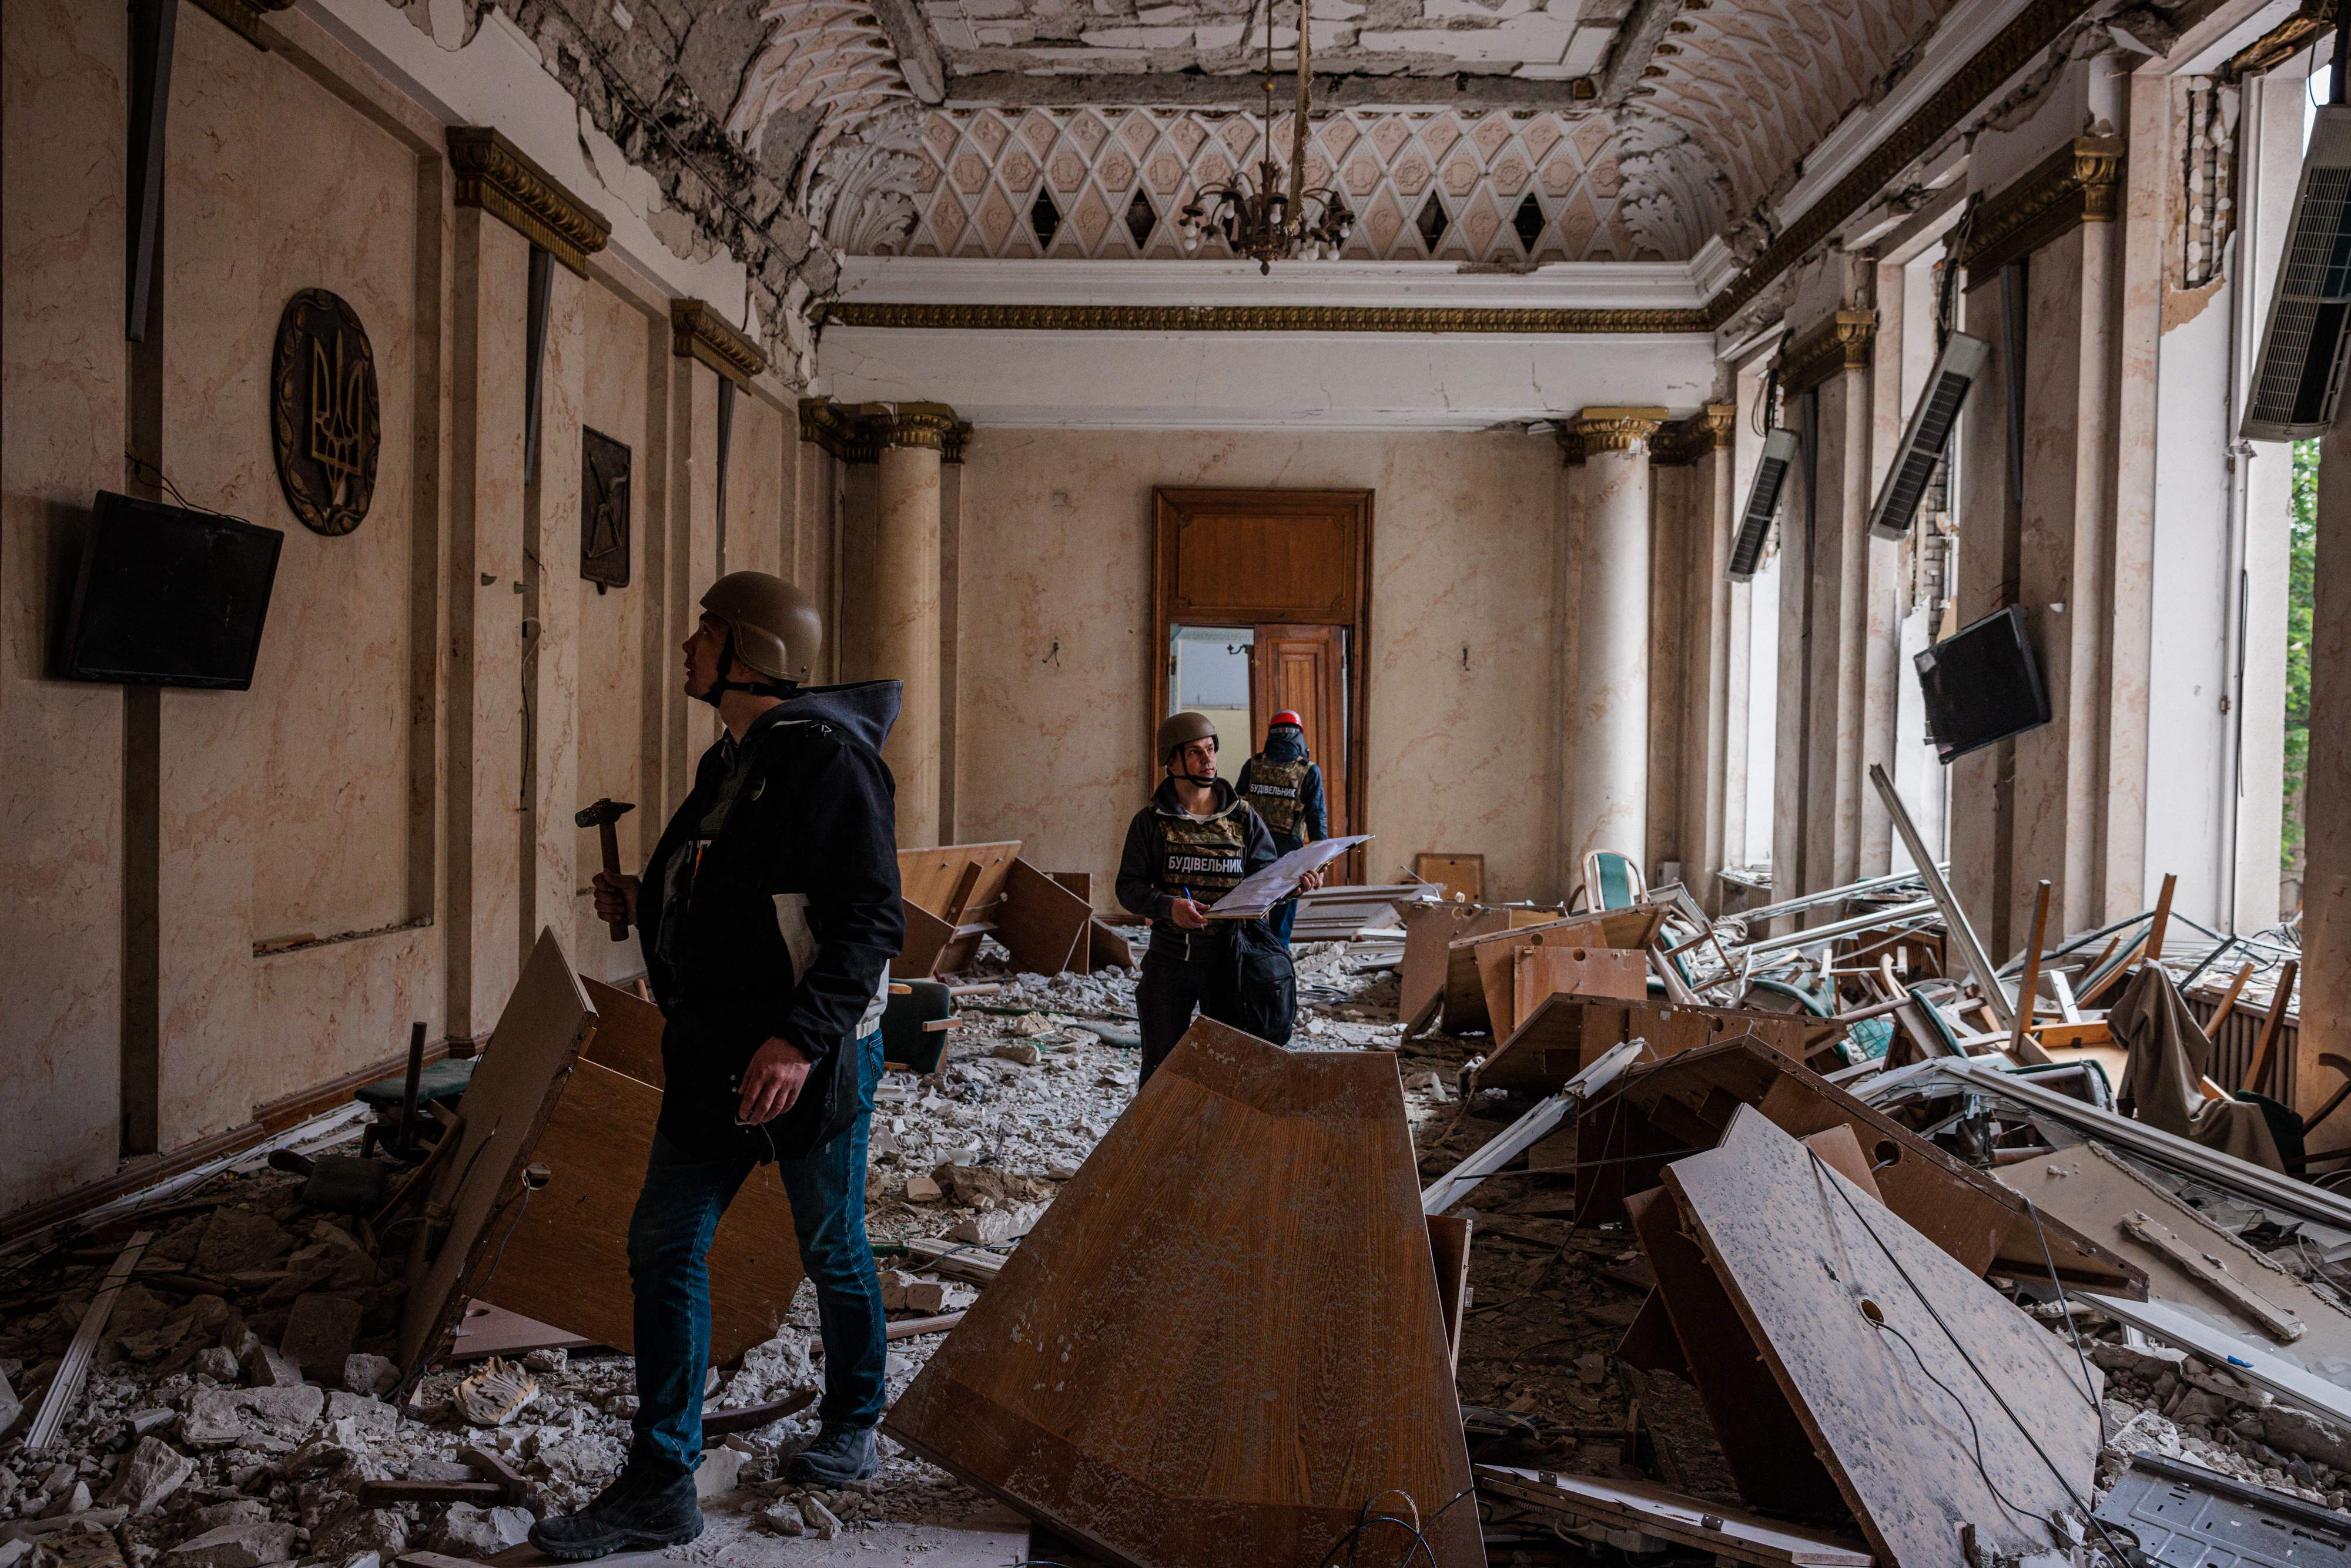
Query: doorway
x=1263, y=597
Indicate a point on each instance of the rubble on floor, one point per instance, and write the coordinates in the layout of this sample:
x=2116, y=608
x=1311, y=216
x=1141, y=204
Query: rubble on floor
x=243, y=1405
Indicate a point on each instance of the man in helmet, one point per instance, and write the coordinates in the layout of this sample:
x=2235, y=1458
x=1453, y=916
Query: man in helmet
x=1190, y=847
x=1284, y=785
x=768, y=915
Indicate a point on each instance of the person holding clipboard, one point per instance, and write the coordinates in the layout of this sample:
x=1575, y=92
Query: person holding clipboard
x=1192, y=844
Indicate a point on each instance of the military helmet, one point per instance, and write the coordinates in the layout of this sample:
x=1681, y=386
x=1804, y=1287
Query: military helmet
x=1181, y=729
x=777, y=630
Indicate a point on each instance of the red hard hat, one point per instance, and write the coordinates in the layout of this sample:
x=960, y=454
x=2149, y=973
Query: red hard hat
x=1289, y=716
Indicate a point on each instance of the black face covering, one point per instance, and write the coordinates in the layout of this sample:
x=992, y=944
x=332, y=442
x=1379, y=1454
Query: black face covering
x=762, y=687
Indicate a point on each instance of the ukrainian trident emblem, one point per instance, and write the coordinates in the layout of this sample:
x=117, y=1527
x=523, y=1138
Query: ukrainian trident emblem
x=325, y=414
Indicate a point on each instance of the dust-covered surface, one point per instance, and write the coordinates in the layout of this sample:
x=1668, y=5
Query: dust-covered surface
x=198, y=1442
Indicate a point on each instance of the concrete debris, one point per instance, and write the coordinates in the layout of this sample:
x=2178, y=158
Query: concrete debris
x=150, y=1473
x=993, y=1227
x=1025, y=1052
x=371, y=1374
x=716, y=1475
x=821, y=1520
x=355, y=1531
x=237, y=1240
x=319, y=1332
x=922, y=1189
x=247, y=1545
x=265, y=1367
x=784, y=1519
x=467, y=1531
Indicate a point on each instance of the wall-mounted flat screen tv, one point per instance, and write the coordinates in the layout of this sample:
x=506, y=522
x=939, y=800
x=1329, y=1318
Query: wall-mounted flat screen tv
x=1981, y=684
x=168, y=596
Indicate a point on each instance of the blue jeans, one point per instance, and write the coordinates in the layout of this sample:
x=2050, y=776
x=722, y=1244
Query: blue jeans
x=685, y=1194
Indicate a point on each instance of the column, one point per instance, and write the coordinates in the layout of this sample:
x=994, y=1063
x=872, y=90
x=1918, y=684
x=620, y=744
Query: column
x=1705, y=610
x=1827, y=368
x=1609, y=706
x=905, y=603
x=2324, y=1003
x=2053, y=810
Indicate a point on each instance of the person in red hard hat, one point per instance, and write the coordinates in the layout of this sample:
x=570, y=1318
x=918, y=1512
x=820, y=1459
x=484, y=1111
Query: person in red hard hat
x=1284, y=785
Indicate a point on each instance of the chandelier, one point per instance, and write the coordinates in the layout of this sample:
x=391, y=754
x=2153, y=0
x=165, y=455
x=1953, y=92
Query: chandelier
x=1274, y=218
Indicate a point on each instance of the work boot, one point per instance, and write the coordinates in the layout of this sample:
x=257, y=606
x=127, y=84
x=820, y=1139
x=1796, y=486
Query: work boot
x=839, y=1455
x=641, y=1509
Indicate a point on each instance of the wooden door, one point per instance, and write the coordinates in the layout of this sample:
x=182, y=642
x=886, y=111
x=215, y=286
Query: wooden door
x=1302, y=668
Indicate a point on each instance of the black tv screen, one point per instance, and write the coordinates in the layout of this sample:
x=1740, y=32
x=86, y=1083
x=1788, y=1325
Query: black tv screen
x=1981, y=685
x=167, y=596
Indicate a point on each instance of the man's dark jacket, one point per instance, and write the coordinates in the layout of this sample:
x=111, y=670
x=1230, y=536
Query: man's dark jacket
x=790, y=921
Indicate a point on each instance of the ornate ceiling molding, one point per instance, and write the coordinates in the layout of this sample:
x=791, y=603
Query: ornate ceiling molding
x=493, y=174
x=1446, y=183
x=243, y=17
x=2039, y=26
x=1684, y=441
x=1840, y=343
x=698, y=333
x=1259, y=319
x=2081, y=182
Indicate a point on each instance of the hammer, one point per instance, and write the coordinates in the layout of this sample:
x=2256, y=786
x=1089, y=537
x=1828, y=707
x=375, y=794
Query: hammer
x=600, y=817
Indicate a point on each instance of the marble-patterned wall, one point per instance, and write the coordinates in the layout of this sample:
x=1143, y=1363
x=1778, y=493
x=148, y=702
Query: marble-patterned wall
x=1056, y=676
x=285, y=812
x=436, y=691
x=622, y=341
x=62, y=405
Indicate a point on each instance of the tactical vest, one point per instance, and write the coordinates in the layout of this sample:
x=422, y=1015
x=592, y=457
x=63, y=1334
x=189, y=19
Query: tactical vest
x=1274, y=791
x=1207, y=857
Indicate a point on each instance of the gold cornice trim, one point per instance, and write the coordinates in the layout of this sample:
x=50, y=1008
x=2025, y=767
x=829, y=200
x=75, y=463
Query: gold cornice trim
x=492, y=174
x=698, y=333
x=2280, y=43
x=243, y=17
x=1684, y=441
x=1571, y=446
x=1601, y=429
x=1840, y=343
x=929, y=425
x=1258, y=319
x=836, y=430
x=2039, y=26
x=858, y=435
x=2081, y=182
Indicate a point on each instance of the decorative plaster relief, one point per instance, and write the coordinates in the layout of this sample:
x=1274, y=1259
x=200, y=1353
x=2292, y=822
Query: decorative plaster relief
x=1115, y=178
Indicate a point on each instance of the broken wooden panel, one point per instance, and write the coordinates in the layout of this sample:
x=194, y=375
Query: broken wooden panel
x=1689, y=1101
x=1931, y=1418
x=1763, y=1439
x=515, y=1089
x=1612, y=1507
x=1429, y=929
x=1107, y=949
x=1042, y=924
x=1465, y=991
x=1223, y=1338
x=1566, y=1033
x=959, y=887
x=2093, y=1190
x=1461, y=876
x=628, y=1036
x=922, y=953
x=1551, y=969
x=1448, y=1242
x=566, y=1263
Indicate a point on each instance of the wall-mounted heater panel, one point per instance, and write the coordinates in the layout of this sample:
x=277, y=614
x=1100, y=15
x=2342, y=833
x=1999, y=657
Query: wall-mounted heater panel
x=2299, y=375
x=1931, y=422
x=1762, y=504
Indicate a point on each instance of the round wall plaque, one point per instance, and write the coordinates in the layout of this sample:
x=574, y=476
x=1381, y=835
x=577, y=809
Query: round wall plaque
x=325, y=417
